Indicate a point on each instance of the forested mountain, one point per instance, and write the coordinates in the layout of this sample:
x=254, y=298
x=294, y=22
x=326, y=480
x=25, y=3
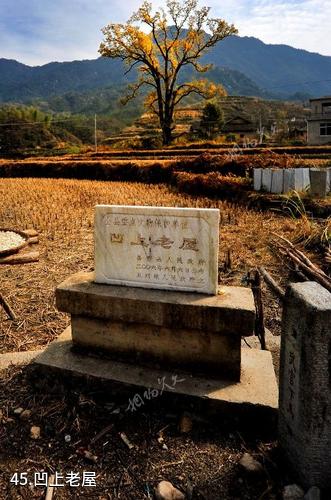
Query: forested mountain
x=245, y=66
x=86, y=81
x=21, y=83
x=280, y=69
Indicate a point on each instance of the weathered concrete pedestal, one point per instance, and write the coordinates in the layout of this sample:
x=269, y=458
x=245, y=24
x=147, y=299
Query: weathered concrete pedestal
x=195, y=332
x=255, y=396
x=143, y=333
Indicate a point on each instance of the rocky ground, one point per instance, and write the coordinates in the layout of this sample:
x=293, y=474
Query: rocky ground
x=63, y=426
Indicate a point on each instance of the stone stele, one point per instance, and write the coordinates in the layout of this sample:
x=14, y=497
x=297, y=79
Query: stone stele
x=304, y=385
x=157, y=247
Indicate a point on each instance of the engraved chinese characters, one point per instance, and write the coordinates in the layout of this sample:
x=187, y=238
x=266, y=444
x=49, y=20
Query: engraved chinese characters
x=304, y=417
x=156, y=247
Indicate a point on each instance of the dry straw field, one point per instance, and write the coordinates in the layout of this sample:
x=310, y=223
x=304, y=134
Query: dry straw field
x=62, y=212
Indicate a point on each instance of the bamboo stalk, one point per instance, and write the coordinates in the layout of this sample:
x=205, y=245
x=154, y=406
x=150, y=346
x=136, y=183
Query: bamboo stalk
x=8, y=310
x=286, y=248
x=272, y=283
x=310, y=272
x=301, y=255
x=259, y=320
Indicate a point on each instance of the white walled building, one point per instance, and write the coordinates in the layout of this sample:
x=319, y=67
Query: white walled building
x=319, y=123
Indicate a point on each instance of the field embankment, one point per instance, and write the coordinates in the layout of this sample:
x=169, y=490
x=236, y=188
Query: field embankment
x=224, y=176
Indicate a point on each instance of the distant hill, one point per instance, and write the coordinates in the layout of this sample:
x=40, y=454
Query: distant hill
x=280, y=69
x=23, y=83
x=245, y=66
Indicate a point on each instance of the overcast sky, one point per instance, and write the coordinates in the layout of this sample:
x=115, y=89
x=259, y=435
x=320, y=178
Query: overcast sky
x=40, y=31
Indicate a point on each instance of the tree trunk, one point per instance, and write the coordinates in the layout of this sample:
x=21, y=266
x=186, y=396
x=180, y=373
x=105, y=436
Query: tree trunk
x=167, y=128
x=166, y=135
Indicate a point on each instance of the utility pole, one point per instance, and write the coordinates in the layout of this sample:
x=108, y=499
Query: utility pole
x=95, y=134
x=261, y=129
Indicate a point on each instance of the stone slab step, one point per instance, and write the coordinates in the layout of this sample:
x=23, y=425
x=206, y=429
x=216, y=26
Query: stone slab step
x=230, y=312
x=256, y=393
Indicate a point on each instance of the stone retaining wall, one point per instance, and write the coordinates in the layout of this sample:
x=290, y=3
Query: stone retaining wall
x=278, y=181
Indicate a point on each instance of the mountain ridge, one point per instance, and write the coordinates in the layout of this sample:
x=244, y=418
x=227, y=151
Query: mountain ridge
x=275, y=66
x=246, y=37
x=244, y=65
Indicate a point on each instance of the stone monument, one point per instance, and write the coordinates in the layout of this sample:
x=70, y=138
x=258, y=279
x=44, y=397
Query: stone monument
x=153, y=306
x=164, y=248
x=305, y=377
x=319, y=182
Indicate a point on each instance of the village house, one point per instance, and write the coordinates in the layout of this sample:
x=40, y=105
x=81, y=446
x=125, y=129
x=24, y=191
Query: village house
x=240, y=125
x=319, y=122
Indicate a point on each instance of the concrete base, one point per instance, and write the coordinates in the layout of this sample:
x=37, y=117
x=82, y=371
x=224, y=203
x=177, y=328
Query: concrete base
x=195, y=332
x=256, y=391
x=230, y=312
x=17, y=358
x=200, y=353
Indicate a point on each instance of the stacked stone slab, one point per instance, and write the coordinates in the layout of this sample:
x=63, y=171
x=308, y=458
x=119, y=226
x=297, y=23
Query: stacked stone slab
x=153, y=308
x=300, y=179
x=277, y=181
x=257, y=178
x=319, y=182
x=305, y=381
x=289, y=184
x=153, y=298
x=329, y=179
x=266, y=179
x=194, y=332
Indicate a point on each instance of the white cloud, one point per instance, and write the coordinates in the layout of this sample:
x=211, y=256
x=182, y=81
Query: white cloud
x=39, y=31
x=301, y=24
